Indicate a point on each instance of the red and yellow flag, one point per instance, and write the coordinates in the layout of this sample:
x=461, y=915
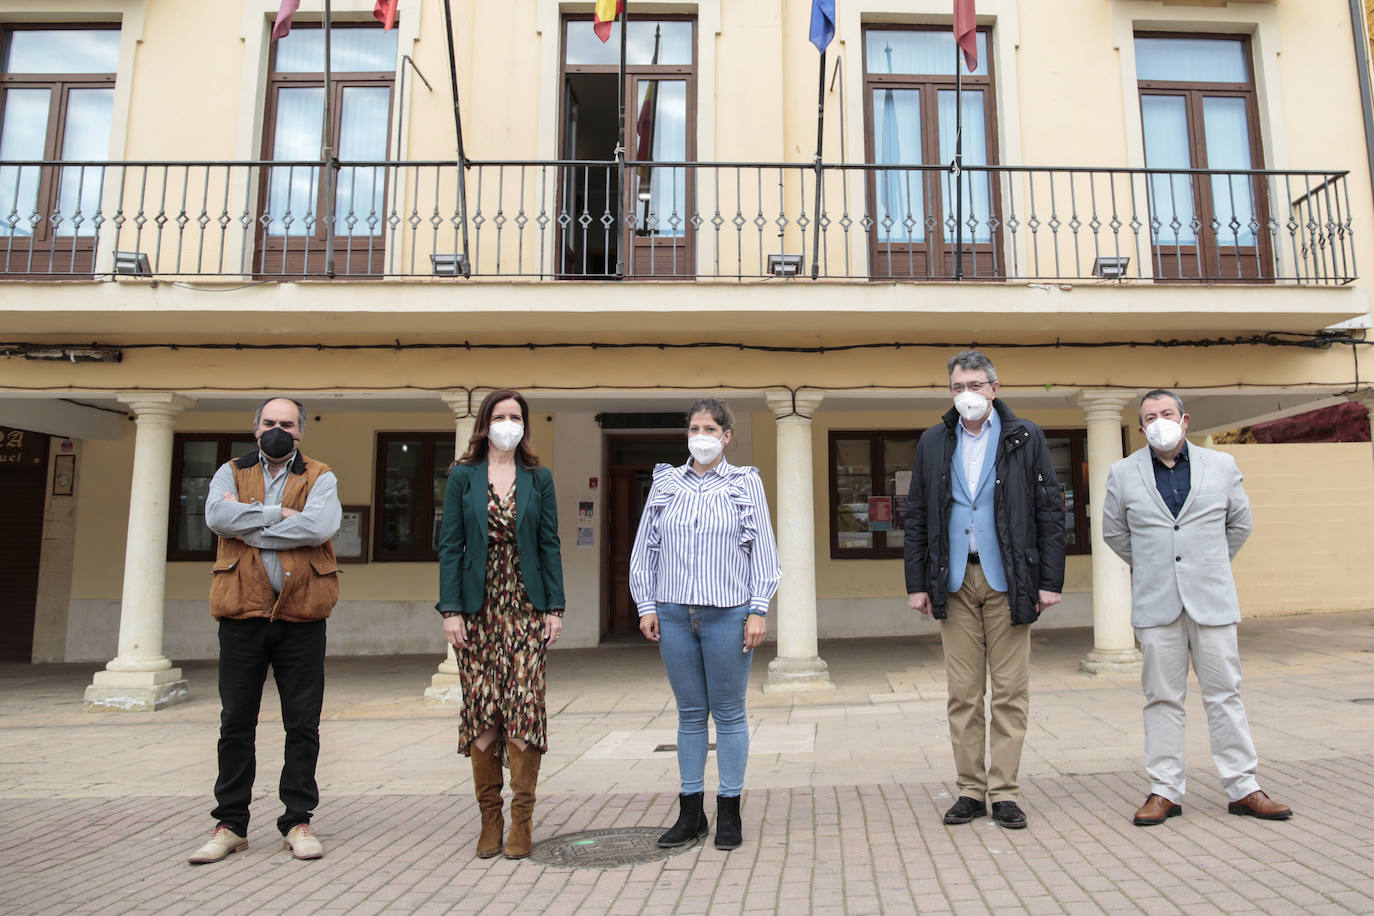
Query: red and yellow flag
x=606, y=11
x=385, y=13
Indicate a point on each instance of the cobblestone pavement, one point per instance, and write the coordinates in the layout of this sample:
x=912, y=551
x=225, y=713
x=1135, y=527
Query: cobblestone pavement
x=842, y=812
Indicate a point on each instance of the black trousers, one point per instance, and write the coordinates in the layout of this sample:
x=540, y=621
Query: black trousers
x=295, y=652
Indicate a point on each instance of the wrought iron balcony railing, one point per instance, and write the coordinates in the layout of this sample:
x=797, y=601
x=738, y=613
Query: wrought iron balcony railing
x=672, y=221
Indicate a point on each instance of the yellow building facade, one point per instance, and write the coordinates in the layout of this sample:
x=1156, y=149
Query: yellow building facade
x=1151, y=194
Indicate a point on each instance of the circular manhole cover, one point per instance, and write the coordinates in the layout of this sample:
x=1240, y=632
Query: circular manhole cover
x=604, y=848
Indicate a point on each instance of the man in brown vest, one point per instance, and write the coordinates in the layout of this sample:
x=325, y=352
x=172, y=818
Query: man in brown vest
x=275, y=581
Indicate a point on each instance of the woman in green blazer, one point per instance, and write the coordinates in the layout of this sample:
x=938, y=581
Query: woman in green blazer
x=501, y=597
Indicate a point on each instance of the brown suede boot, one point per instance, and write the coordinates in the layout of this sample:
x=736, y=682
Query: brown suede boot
x=524, y=773
x=486, y=783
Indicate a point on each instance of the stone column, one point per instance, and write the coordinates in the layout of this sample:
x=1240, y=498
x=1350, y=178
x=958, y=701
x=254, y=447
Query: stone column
x=140, y=677
x=798, y=665
x=444, y=686
x=1114, y=650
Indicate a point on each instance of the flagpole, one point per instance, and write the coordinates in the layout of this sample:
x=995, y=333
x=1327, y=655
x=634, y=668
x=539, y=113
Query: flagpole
x=330, y=163
x=820, y=173
x=958, y=164
x=458, y=128
x=621, y=235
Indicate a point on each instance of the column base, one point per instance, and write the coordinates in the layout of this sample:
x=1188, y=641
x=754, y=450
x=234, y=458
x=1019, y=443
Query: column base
x=443, y=689
x=135, y=691
x=794, y=675
x=1112, y=661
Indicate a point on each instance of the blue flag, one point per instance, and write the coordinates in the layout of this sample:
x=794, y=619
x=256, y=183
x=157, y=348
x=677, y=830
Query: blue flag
x=822, y=23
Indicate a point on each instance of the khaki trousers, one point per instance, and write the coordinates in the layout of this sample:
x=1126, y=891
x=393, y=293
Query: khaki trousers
x=980, y=644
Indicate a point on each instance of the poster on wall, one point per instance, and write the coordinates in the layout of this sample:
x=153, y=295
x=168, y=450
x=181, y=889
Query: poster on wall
x=880, y=513
x=586, y=536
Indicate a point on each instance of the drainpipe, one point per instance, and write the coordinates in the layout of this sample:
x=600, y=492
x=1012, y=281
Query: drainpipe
x=1357, y=23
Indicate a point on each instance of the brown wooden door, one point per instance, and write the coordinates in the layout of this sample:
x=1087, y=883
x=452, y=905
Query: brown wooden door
x=629, y=477
x=23, y=477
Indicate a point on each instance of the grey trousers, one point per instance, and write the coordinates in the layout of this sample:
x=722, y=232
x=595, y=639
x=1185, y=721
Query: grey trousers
x=1215, y=655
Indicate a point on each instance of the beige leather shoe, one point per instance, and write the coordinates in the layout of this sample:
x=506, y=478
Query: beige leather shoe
x=222, y=842
x=303, y=843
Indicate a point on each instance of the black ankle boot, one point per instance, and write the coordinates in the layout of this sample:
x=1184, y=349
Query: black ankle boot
x=729, y=832
x=691, y=822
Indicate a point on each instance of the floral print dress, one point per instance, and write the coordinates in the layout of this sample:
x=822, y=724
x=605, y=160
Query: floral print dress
x=502, y=669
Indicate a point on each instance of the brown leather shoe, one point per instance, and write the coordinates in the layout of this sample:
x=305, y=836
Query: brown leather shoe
x=1257, y=804
x=1156, y=810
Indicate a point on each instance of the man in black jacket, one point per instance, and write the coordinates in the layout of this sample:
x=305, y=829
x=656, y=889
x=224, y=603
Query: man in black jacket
x=984, y=551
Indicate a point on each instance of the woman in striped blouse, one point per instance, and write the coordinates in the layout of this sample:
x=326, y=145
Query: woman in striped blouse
x=703, y=570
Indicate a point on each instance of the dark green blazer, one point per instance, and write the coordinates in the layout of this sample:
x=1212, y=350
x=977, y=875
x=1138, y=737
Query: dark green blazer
x=463, y=539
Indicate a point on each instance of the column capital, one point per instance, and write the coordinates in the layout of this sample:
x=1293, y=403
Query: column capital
x=153, y=405
x=1104, y=403
x=803, y=403
x=464, y=401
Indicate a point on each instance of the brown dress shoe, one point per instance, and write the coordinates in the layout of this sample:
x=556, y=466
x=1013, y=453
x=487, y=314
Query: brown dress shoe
x=1257, y=804
x=1156, y=810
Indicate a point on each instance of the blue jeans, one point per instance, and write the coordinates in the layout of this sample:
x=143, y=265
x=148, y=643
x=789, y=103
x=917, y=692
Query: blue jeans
x=703, y=650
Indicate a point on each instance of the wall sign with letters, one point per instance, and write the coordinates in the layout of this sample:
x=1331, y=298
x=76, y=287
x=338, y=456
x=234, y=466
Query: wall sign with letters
x=20, y=448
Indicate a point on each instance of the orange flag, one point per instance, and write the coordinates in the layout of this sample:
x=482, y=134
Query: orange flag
x=606, y=11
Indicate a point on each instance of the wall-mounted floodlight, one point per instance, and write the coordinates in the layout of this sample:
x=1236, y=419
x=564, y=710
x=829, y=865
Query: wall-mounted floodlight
x=785, y=265
x=1110, y=268
x=132, y=264
x=449, y=265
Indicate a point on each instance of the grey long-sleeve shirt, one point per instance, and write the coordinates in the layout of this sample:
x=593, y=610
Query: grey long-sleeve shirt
x=261, y=524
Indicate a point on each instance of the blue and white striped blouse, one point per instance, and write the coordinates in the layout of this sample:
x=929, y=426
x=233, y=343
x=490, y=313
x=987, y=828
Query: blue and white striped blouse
x=705, y=540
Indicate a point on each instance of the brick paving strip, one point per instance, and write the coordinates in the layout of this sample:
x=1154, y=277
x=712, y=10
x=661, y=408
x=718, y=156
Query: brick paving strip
x=842, y=814
x=841, y=849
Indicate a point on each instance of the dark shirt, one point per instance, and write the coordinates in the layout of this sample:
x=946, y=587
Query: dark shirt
x=1174, y=482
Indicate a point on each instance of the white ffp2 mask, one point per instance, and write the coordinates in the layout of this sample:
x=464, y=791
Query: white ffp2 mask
x=971, y=405
x=705, y=449
x=506, y=434
x=1164, y=434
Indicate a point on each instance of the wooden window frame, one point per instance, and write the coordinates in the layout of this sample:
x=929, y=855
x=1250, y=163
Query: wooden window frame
x=915, y=260
x=54, y=257
x=300, y=256
x=876, y=438
x=1077, y=521
x=660, y=258
x=1184, y=263
x=428, y=439
x=224, y=453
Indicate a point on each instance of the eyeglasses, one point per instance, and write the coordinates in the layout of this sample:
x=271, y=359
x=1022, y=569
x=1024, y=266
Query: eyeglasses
x=975, y=387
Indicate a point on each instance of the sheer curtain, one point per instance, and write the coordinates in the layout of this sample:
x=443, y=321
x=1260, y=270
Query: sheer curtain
x=363, y=132
x=977, y=199
x=1165, y=119
x=1191, y=60
x=22, y=135
x=1227, y=127
x=293, y=190
x=86, y=136
x=897, y=141
x=667, y=187
x=919, y=52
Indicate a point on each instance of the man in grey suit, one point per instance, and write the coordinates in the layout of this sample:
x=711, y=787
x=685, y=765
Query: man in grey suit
x=1178, y=514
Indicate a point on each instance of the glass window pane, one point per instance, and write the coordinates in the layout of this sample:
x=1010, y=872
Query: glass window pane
x=649, y=42
x=239, y=449
x=1061, y=454
x=899, y=455
x=1192, y=60
x=977, y=185
x=1165, y=121
x=85, y=136
x=23, y=133
x=367, y=50
x=661, y=136
x=853, y=487
x=199, y=461
x=897, y=141
x=401, y=496
x=443, y=457
x=63, y=51
x=923, y=52
x=1227, y=126
x=291, y=194
x=364, y=131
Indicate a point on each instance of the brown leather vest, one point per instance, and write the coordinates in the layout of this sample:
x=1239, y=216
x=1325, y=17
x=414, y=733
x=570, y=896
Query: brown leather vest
x=240, y=587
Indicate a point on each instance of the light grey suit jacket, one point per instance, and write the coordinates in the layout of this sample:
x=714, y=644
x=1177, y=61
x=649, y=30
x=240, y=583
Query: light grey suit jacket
x=1178, y=564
